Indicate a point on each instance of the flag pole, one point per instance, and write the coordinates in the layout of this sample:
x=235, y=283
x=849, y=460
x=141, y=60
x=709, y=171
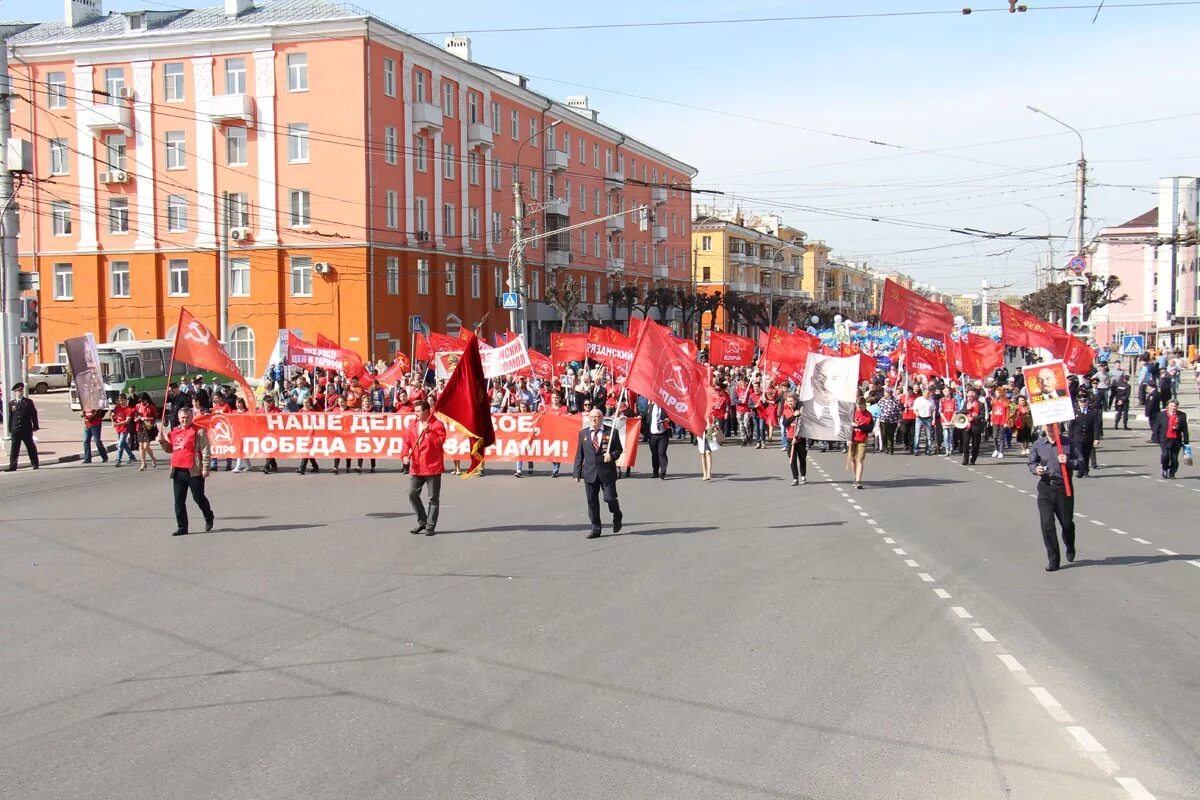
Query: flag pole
x=171, y=368
x=620, y=399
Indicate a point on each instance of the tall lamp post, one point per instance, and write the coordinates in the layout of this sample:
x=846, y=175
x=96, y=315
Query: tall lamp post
x=1039, y=274
x=516, y=260
x=1080, y=188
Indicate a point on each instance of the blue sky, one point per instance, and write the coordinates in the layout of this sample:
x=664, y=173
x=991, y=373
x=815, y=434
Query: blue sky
x=923, y=82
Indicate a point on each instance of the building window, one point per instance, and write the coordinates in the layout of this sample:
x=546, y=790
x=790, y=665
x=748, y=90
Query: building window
x=596, y=244
x=118, y=279
x=297, y=66
x=473, y=168
x=241, y=345
x=473, y=219
x=298, y=143
x=121, y=334
x=389, y=77
x=706, y=243
x=235, y=76
x=583, y=290
x=60, y=215
x=393, y=275
x=533, y=132
x=60, y=162
x=239, y=277
x=393, y=208
x=302, y=276
x=597, y=288
x=476, y=281
x=177, y=213
x=56, y=90
x=421, y=212
x=498, y=280
x=448, y=98
x=533, y=184
x=448, y=161
x=472, y=108
x=582, y=197
x=173, y=82
x=239, y=210
x=514, y=124
x=495, y=174
x=177, y=277
x=595, y=201
x=114, y=151
x=176, y=155
x=535, y=286
x=299, y=208
x=419, y=85
x=118, y=215
x=595, y=156
x=420, y=154
x=495, y=118
x=235, y=146
x=422, y=276
x=448, y=219
x=582, y=151
x=583, y=243
x=497, y=227
x=389, y=144
x=451, y=279
x=114, y=81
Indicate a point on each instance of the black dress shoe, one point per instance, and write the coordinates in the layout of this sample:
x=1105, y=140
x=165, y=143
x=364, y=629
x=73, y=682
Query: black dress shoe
x=663, y=476
x=595, y=534
x=654, y=475
x=431, y=531
x=1070, y=555
x=617, y=520
x=420, y=527
x=179, y=533
x=208, y=524
x=1052, y=568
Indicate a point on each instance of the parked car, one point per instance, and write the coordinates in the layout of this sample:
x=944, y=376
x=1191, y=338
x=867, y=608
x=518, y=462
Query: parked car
x=44, y=377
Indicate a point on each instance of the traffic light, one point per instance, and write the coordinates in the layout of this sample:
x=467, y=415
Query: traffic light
x=1077, y=323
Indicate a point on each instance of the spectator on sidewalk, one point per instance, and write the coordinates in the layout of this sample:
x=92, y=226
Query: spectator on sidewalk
x=22, y=421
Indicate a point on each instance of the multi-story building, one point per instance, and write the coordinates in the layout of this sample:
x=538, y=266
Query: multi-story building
x=1157, y=259
x=322, y=170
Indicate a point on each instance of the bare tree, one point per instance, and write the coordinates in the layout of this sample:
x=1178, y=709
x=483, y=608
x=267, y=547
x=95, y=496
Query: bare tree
x=564, y=296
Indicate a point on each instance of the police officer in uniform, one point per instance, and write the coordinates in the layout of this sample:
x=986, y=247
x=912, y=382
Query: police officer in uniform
x=596, y=456
x=1087, y=429
x=1052, y=498
x=22, y=422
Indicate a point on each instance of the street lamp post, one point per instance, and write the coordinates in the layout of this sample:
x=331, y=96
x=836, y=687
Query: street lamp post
x=1080, y=189
x=516, y=260
x=1039, y=274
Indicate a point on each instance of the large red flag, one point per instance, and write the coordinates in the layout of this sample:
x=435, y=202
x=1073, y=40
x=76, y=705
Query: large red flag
x=464, y=402
x=396, y=372
x=1021, y=329
x=422, y=350
x=979, y=355
x=785, y=349
x=663, y=373
x=441, y=343
x=866, y=366
x=1077, y=356
x=908, y=310
x=196, y=345
x=725, y=349
x=635, y=328
x=687, y=346
x=920, y=360
x=611, y=348
x=566, y=347
x=302, y=354
x=325, y=341
x=540, y=366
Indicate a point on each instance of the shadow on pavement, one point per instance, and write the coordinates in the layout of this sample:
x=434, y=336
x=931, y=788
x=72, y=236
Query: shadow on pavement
x=902, y=483
x=266, y=528
x=388, y=514
x=807, y=525
x=756, y=478
x=1124, y=561
x=665, y=531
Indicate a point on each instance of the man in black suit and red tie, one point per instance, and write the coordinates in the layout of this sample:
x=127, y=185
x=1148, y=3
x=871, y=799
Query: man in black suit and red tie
x=596, y=456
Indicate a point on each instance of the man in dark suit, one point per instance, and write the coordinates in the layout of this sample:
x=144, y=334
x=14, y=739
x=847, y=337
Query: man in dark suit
x=1119, y=394
x=1086, y=431
x=22, y=422
x=1055, y=495
x=596, y=456
x=1171, y=431
x=823, y=416
x=1154, y=406
x=660, y=435
x=1048, y=381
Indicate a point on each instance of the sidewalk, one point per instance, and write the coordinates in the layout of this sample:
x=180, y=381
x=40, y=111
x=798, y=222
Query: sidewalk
x=60, y=436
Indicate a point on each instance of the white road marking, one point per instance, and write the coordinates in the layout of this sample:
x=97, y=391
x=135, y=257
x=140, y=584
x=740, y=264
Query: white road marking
x=1167, y=552
x=1130, y=472
x=1009, y=485
x=1085, y=739
x=863, y=514
x=1044, y=697
x=983, y=635
x=911, y=563
x=1139, y=539
x=1194, y=563
x=1181, y=486
x=1098, y=522
x=942, y=593
x=872, y=522
x=888, y=540
x=925, y=576
x=1010, y=662
x=1118, y=530
x=899, y=551
x=1135, y=789
x=1081, y=516
x=962, y=612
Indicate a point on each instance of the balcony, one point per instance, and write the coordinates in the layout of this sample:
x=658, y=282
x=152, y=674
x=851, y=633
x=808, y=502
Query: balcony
x=658, y=233
x=614, y=181
x=615, y=224
x=738, y=257
x=616, y=265
x=104, y=117
x=231, y=108
x=558, y=206
x=426, y=117
x=660, y=271
x=557, y=160
x=479, y=136
x=658, y=194
x=557, y=259
x=767, y=262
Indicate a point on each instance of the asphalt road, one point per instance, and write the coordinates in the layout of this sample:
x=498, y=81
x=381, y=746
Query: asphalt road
x=739, y=639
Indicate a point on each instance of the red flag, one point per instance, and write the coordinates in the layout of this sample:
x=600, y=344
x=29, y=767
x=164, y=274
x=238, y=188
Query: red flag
x=906, y=309
x=302, y=354
x=662, y=373
x=1021, y=329
x=441, y=343
x=687, y=346
x=196, y=345
x=501, y=339
x=464, y=402
x=465, y=334
x=866, y=367
x=1077, y=356
x=725, y=349
x=980, y=356
x=635, y=328
x=325, y=341
x=920, y=360
x=396, y=372
x=566, y=347
x=785, y=349
x=422, y=351
x=611, y=348
x=540, y=366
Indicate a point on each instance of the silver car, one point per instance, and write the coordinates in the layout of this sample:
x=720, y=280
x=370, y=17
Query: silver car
x=44, y=377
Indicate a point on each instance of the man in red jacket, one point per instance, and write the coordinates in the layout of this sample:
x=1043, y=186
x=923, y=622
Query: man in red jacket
x=423, y=441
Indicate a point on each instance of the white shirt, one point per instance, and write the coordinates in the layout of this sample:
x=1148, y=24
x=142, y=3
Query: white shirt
x=656, y=419
x=923, y=406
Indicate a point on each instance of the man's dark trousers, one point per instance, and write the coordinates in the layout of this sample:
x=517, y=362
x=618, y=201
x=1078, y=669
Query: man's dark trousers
x=592, y=489
x=14, y=451
x=183, y=481
x=415, y=484
x=658, y=452
x=1053, y=504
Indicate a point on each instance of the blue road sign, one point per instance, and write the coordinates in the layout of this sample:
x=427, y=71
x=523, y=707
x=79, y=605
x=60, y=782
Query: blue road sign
x=510, y=301
x=1077, y=265
x=1134, y=344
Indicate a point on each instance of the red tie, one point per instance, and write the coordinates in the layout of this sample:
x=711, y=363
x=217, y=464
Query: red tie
x=596, y=439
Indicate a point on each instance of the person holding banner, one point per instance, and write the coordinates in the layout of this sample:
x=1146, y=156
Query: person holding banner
x=596, y=456
x=191, y=459
x=797, y=445
x=1051, y=460
x=424, y=439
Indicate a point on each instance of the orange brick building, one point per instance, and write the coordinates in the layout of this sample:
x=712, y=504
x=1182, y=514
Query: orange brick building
x=357, y=176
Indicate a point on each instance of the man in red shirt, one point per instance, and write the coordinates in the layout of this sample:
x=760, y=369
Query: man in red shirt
x=424, y=439
x=191, y=459
x=93, y=423
x=122, y=419
x=1171, y=432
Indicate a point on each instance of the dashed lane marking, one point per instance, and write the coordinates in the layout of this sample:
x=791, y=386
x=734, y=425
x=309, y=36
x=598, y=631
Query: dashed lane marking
x=899, y=551
x=942, y=593
x=1098, y=522
x=1140, y=540
x=1010, y=662
x=983, y=635
x=1194, y=563
x=1118, y=530
x=1052, y=706
x=925, y=576
x=1085, y=739
x=961, y=612
x=909, y=562
x=1167, y=552
x=1135, y=789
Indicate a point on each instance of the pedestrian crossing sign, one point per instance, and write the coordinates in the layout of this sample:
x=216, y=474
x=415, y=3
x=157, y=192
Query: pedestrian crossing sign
x=1133, y=344
x=510, y=301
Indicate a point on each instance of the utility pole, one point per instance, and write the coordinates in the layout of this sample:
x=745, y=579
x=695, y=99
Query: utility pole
x=12, y=360
x=1080, y=216
x=223, y=266
x=516, y=262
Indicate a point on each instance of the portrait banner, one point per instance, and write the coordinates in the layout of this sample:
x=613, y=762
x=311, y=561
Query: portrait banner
x=1049, y=398
x=84, y=359
x=827, y=397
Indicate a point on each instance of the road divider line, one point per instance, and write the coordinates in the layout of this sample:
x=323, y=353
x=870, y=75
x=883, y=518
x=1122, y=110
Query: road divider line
x=911, y=563
x=983, y=635
x=1135, y=789
x=1118, y=530
x=1098, y=522
x=942, y=593
x=899, y=551
x=1165, y=551
x=961, y=612
x=888, y=540
x=1085, y=739
x=1010, y=662
x=1141, y=540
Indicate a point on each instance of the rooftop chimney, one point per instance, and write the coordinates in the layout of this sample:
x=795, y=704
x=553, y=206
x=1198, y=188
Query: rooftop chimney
x=80, y=11
x=235, y=8
x=579, y=104
x=459, y=46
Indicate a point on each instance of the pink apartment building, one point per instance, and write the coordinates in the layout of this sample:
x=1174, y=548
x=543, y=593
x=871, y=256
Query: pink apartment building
x=360, y=178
